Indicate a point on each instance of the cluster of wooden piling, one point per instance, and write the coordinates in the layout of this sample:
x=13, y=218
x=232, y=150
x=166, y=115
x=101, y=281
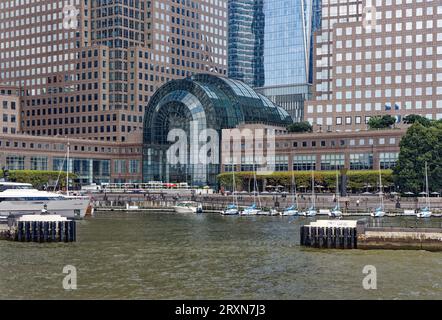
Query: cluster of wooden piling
x=329, y=237
x=45, y=231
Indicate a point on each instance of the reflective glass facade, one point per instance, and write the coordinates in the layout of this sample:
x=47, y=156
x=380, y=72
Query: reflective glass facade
x=193, y=105
x=270, y=41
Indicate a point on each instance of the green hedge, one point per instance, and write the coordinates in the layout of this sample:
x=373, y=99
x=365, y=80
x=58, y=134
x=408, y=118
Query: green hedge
x=357, y=180
x=38, y=178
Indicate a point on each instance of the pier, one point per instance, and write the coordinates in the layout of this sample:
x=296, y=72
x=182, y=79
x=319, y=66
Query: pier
x=357, y=234
x=39, y=228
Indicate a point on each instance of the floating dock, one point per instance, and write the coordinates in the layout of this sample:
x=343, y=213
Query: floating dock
x=39, y=228
x=356, y=234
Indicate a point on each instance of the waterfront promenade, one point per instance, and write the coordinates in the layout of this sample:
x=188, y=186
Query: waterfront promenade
x=354, y=204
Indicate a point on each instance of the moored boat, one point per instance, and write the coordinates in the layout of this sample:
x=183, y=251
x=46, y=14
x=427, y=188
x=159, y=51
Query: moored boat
x=22, y=198
x=188, y=207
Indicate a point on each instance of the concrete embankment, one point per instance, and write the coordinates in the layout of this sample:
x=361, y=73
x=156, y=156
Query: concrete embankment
x=354, y=234
x=401, y=238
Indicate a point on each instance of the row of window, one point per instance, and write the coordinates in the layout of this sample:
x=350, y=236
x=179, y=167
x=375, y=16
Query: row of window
x=357, y=161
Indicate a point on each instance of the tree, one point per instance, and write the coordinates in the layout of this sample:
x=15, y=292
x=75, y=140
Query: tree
x=419, y=145
x=413, y=118
x=381, y=122
x=299, y=127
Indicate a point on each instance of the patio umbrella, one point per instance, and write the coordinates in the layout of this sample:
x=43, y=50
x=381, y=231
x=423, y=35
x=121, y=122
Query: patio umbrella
x=423, y=193
x=435, y=193
x=394, y=193
x=269, y=186
x=409, y=193
x=366, y=192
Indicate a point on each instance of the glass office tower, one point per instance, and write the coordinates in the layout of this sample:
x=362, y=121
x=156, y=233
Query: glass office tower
x=270, y=48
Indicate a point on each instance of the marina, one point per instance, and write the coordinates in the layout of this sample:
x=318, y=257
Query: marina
x=159, y=255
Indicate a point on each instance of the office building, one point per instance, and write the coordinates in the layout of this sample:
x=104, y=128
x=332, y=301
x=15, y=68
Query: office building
x=88, y=68
x=391, y=67
x=270, y=48
x=9, y=109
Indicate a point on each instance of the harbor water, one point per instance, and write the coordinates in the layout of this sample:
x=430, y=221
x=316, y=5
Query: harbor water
x=132, y=255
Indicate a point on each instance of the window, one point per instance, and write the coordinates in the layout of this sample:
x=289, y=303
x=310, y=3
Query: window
x=304, y=162
x=39, y=163
x=388, y=160
x=332, y=161
x=15, y=162
x=361, y=161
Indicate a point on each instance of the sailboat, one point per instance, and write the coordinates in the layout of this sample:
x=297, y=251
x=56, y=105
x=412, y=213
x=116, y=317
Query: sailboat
x=336, y=211
x=380, y=211
x=232, y=209
x=253, y=209
x=312, y=210
x=425, y=212
x=293, y=209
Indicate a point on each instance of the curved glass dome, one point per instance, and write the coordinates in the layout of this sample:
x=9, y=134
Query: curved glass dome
x=221, y=102
x=191, y=106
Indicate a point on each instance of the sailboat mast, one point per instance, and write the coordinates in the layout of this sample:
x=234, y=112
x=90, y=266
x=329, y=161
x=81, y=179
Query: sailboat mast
x=67, y=169
x=337, y=188
x=294, y=188
x=427, y=189
x=233, y=186
x=255, y=185
x=313, y=189
x=381, y=198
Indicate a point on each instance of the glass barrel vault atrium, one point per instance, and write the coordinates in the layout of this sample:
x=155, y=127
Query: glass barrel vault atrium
x=188, y=107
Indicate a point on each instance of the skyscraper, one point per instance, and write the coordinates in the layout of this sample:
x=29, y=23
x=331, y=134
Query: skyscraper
x=88, y=68
x=381, y=60
x=270, y=48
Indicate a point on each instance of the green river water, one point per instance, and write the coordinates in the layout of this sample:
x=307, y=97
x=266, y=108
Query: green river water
x=208, y=256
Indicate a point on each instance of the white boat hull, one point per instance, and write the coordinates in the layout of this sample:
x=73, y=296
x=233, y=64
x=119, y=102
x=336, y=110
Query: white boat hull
x=335, y=213
x=73, y=208
x=185, y=209
x=290, y=213
x=250, y=212
x=310, y=213
x=378, y=214
x=426, y=214
x=230, y=212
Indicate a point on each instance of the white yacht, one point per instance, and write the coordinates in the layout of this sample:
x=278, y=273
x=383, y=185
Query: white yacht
x=21, y=198
x=188, y=207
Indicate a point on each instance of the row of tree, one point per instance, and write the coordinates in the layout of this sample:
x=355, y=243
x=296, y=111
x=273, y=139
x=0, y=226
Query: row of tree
x=325, y=180
x=39, y=179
